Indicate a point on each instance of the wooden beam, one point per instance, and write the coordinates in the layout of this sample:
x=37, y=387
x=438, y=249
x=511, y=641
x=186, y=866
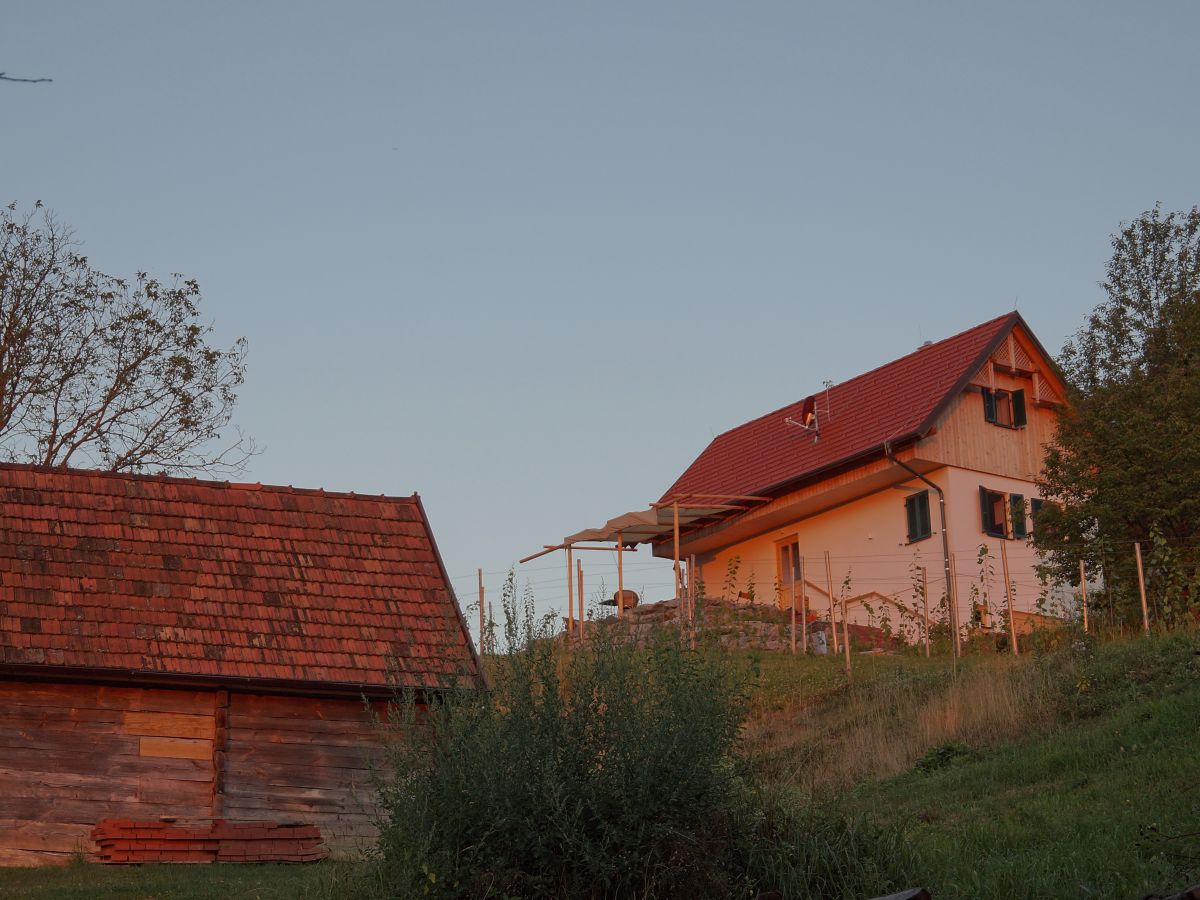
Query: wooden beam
x=582, y=547
x=481, y=624
x=548, y=549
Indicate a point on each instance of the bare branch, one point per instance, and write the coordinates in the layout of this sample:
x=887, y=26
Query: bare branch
x=105, y=372
x=4, y=77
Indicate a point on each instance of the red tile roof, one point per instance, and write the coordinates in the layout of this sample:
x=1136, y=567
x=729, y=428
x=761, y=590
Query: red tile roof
x=897, y=402
x=170, y=578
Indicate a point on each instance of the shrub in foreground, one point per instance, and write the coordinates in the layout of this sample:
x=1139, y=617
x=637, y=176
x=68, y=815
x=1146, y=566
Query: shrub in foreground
x=610, y=771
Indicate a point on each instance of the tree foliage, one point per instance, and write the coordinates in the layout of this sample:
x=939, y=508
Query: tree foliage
x=1125, y=464
x=97, y=371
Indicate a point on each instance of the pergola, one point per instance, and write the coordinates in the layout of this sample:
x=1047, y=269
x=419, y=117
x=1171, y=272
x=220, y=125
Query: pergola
x=626, y=531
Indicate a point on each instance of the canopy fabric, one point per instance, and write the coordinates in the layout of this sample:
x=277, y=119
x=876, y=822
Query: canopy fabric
x=643, y=526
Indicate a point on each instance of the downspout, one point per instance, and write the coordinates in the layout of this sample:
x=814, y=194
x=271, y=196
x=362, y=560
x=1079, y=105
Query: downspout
x=950, y=593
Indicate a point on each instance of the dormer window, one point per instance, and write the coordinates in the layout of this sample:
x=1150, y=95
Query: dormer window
x=1004, y=408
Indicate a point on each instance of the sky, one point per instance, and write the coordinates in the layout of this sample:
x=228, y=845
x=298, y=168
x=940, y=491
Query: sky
x=528, y=259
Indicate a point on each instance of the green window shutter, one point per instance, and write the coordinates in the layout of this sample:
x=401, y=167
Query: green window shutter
x=1016, y=505
x=910, y=513
x=989, y=405
x=985, y=509
x=1018, y=409
x=923, y=523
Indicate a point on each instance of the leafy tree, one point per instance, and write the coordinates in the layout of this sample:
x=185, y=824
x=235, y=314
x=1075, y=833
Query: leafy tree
x=1125, y=463
x=98, y=371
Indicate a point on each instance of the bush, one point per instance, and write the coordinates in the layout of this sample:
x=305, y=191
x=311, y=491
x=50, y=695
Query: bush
x=614, y=770
x=608, y=771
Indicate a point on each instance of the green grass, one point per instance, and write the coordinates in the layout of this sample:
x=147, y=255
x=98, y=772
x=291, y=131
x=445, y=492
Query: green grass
x=1070, y=813
x=86, y=881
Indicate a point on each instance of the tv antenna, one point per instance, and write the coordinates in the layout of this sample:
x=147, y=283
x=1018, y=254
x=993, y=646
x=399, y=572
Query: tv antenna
x=810, y=419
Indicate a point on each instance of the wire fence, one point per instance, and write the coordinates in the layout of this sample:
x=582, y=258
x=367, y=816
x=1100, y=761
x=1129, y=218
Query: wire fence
x=1123, y=584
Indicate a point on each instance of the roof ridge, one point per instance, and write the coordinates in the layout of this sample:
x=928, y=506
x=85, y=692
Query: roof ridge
x=861, y=375
x=205, y=482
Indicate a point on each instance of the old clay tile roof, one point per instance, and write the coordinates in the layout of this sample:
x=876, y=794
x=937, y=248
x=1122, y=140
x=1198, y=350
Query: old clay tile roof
x=166, y=578
x=897, y=401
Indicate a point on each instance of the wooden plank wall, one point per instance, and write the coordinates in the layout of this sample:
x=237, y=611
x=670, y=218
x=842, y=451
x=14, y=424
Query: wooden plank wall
x=71, y=755
x=302, y=759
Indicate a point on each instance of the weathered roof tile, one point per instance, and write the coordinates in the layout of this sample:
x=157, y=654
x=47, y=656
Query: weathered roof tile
x=158, y=577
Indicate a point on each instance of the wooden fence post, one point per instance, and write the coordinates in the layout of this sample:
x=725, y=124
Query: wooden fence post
x=1083, y=593
x=925, y=602
x=832, y=603
x=620, y=577
x=793, y=590
x=1012, y=618
x=1137, y=549
x=692, y=597
x=570, y=595
x=952, y=602
x=481, y=623
x=803, y=610
x=579, y=563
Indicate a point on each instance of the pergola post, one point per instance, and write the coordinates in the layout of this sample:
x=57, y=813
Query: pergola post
x=620, y=577
x=570, y=594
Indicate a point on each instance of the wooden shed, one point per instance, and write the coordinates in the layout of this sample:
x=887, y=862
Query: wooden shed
x=196, y=649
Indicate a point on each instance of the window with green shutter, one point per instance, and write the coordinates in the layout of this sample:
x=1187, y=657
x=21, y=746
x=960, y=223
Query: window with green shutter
x=991, y=508
x=916, y=509
x=1004, y=408
x=1035, y=508
x=1016, y=508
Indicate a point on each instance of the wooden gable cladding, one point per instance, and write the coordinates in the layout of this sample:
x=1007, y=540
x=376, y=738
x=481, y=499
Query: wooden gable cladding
x=1012, y=356
x=72, y=755
x=966, y=439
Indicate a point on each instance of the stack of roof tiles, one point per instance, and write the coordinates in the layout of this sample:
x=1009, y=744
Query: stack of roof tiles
x=230, y=583
x=126, y=842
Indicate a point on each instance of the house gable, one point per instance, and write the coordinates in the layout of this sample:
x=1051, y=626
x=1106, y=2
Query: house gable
x=1021, y=373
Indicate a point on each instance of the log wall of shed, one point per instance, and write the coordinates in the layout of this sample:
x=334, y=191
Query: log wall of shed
x=303, y=759
x=74, y=754
x=71, y=755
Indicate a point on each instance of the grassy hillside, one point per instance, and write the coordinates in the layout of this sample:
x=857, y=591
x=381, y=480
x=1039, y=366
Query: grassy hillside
x=1064, y=773
x=1070, y=772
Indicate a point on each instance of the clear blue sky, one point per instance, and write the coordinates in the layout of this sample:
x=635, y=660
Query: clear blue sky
x=527, y=259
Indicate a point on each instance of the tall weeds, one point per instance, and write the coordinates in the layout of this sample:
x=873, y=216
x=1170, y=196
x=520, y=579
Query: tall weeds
x=608, y=771
x=613, y=770
x=882, y=726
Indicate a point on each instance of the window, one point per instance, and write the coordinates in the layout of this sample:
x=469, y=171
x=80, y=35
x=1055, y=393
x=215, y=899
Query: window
x=789, y=563
x=1016, y=511
x=916, y=508
x=1035, y=509
x=1004, y=408
x=1003, y=514
x=992, y=504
